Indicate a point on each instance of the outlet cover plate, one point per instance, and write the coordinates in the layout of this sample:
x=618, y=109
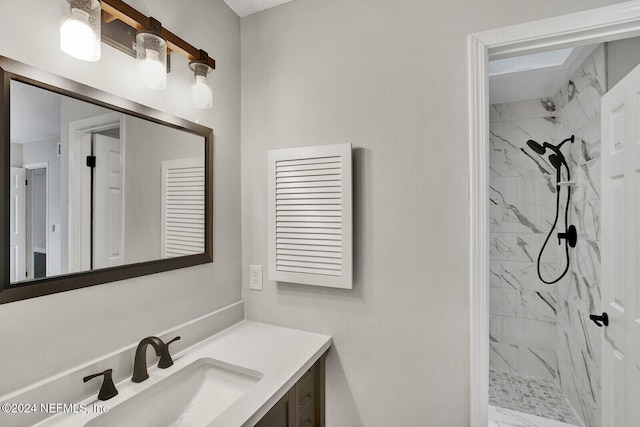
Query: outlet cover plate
x=255, y=277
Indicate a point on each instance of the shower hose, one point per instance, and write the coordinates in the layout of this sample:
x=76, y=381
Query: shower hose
x=555, y=223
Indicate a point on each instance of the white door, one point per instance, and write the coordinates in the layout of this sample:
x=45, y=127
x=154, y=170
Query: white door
x=107, y=202
x=620, y=253
x=18, y=232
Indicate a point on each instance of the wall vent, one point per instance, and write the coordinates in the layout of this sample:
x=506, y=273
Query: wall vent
x=310, y=215
x=182, y=207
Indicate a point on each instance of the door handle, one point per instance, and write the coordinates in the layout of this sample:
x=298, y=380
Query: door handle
x=604, y=318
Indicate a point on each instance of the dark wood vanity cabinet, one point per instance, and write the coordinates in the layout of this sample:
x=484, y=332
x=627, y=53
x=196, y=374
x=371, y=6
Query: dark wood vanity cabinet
x=303, y=404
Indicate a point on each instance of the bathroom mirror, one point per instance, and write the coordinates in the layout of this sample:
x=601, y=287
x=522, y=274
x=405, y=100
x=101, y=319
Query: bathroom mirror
x=95, y=188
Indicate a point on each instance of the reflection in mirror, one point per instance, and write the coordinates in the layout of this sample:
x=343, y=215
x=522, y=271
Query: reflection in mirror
x=93, y=188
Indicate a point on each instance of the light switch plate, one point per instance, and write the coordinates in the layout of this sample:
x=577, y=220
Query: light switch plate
x=255, y=277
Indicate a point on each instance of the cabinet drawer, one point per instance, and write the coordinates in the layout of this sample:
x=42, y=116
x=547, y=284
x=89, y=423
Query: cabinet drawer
x=308, y=376
x=308, y=418
x=305, y=396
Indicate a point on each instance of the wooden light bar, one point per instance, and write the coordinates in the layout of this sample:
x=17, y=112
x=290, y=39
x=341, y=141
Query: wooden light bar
x=117, y=9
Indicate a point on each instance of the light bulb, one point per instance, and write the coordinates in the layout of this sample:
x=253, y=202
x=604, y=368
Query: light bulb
x=201, y=94
x=78, y=38
x=152, y=71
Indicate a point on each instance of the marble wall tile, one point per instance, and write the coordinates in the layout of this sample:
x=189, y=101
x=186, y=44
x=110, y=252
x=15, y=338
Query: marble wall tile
x=538, y=189
x=590, y=74
x=526, y=109
x=495, y=274
x=529, y=276
x=495, y=328
x=586, y=259
x=587, y=175
x=511, y=218
x=537, y=305
x=503, y=357
x=503, y=246
x=510, y=272
x=527, y=250
x=537, y=363
x=580, y=371
x=581, y=294
x=552, y=253
x=522, y=275
x=585, y=215
x=587, y=142
x=504, y=301
x=510, y=155
x=600, y=69
x=525, y=247
x=549, y=272
x=529, y=333
x=579, y=333
x=582, y=109
x=504, y=190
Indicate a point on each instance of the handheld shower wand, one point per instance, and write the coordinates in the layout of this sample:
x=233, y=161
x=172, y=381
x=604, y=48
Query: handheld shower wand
x=570, y=235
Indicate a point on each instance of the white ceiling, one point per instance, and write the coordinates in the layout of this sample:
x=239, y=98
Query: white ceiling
x=552, y=58
x=244, y=8
x=539, y=75
x=35, y=114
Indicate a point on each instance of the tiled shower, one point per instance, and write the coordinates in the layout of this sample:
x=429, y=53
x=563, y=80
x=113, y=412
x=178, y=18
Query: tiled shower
x=540, y=334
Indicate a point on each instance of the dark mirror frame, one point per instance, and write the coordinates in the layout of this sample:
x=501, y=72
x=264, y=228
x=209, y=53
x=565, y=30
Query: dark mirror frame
x=13, y=70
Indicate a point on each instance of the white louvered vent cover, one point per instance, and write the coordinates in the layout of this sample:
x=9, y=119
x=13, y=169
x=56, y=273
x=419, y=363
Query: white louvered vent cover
x=310, y=215
x=182, y=207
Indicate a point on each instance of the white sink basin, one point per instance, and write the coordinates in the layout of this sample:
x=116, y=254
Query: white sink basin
x=192, y=396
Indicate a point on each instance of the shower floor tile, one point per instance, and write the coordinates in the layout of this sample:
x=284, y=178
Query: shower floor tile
x=530, y=395
x=500, y=417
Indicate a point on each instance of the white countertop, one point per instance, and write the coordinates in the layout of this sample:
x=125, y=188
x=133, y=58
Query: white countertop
x=280, y=354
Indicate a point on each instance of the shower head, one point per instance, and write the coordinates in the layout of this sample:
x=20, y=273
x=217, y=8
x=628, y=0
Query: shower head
x=556, y=160
x=536, y=147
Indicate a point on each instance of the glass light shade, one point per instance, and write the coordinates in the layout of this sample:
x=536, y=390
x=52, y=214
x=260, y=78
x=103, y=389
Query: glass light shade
x=80, y=29
x=152, y=60
x=202, y=88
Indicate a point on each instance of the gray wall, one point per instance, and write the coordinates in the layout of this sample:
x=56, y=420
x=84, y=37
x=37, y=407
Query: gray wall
x=16, y=155
x=47, y=335
x=622, y=57
x=391, y=78
x=146, y=146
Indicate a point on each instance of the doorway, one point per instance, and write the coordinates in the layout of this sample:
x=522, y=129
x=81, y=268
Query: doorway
x=37, y=218
x=583, y=28
x=96, y=199
x=544, y=184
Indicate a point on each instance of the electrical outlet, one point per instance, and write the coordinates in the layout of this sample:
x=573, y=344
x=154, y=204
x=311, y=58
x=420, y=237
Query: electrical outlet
x=255, y=277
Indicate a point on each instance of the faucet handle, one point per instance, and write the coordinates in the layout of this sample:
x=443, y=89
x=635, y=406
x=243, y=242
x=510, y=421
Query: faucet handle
x=173, y=340
x=108, y=389
x=165, y=358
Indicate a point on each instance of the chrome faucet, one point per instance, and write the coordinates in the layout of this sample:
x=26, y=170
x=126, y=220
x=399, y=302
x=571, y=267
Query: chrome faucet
x=140, y=361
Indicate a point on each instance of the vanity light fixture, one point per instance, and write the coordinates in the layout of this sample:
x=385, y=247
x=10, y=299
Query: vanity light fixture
x=202, y=88
x=80, y=29
x=152, y=56
x=129, y=31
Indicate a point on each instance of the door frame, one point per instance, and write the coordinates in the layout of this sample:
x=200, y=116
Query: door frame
x=30, y=167
x=591, y=26
x=77, y=130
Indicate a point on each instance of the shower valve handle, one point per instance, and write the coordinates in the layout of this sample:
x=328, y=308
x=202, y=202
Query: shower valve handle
x=604, y=318
x=571, y=235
